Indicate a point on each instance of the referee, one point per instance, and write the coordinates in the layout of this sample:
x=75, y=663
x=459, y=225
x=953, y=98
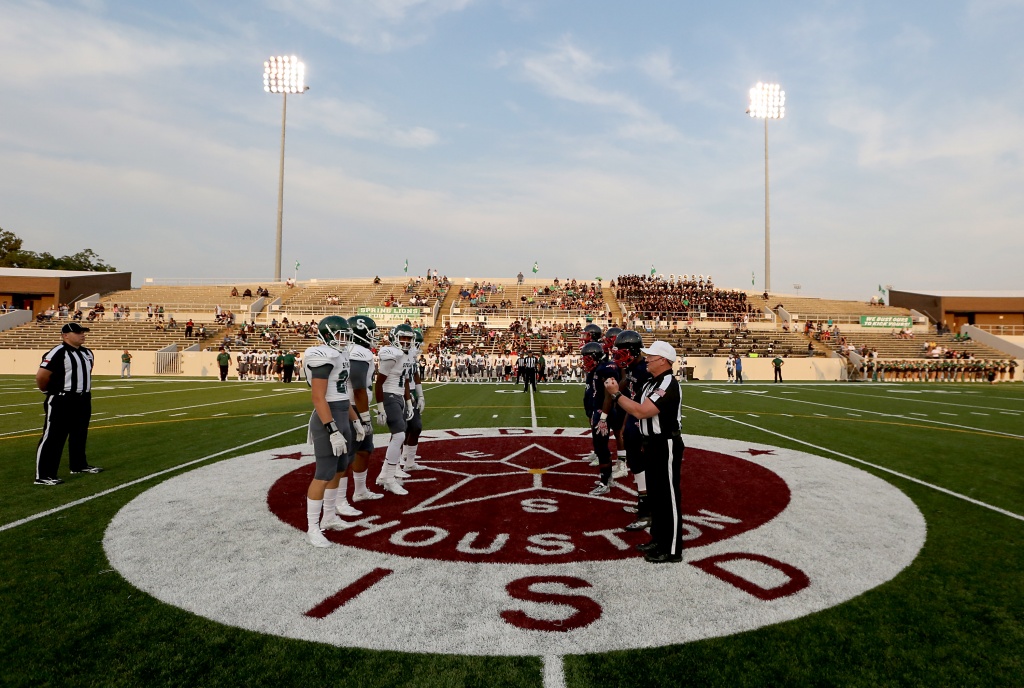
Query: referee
x=658, y=411
x=65, y=376
x=528, y=368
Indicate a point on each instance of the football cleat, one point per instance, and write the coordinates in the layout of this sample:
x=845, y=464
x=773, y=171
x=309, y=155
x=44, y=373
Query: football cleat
x=364, y=495
x=399, y=473
x=663, y=558
x=639, y=524
x=394, y=487
x=88, y=469
x=595, y=461
x=630, y=509
x=591, y=457
x=620, y=470
x=332, y=523
x=48, y=481
x=346, y=509
x=601, y=489
x=315, y=537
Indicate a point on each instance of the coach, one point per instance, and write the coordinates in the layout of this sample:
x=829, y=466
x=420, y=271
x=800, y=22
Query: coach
x=65, y=376
x=658, y=411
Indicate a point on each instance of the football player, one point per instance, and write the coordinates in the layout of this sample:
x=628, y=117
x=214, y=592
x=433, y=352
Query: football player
x=364, y=340
x=394, y=403
x=633, y=369
x=330, y=432
x=415, y=425
x=619, y=469
x=597, y=404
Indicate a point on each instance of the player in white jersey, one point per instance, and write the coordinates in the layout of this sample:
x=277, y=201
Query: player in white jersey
x=330, y=429
x=364, y=338
x=415, y=425
x=394, y=403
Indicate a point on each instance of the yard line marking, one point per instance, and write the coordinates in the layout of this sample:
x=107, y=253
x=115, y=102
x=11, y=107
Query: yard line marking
x=787, y=415
x=821, y=414
x=975, y=413
x=83, y=500
x=495, y=415
x=533, y=411
x=219, y=414
x=856, y=415
x=259, y=415
x=902, y=417
x=868, y=463
x=947, y=414
x=554, y=672
x=10, y=413
x=919, y=414
x=909, y=398
x=298, y=415
x=1008, y=413
x=753, y=415
x=570, y=415
x=177, y=414
x=457, y=415
x=119, y=396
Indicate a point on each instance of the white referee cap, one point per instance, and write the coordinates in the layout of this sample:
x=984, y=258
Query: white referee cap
x=663, y=349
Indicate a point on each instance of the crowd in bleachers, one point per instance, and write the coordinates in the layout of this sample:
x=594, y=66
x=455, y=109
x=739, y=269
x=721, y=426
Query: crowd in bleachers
x=538, y=336
x=678, y=297
x=568, y=295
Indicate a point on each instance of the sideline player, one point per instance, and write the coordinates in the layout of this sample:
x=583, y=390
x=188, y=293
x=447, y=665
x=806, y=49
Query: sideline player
x=619, y=469
x=597, y=404
x=394, y=404
x=415, y=425
x=364, y=340
x=629, y=359
x=327, y=372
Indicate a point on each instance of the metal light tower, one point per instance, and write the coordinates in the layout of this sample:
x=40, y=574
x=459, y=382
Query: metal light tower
x=284, y=75
x=767, y=102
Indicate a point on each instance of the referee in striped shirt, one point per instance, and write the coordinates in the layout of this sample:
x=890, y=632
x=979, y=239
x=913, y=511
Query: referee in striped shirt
x=658, y=411
x=65, y=376
x=528, y=368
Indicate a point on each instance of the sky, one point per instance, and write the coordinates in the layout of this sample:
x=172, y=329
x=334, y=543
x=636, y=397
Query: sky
x=477, y=137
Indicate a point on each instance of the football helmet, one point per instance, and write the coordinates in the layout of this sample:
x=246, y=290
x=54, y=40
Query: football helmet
x=419, y=339
x=364, y=331
x=627, y=348
x=609, y=338
x=334, y=331
x=593, y=355
x=403, y=337
x=591, y=333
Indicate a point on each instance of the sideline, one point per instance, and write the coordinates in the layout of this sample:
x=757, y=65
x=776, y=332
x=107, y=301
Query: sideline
x=866, y=463
x=83, y=500
x=554, y=671
x=927, y=401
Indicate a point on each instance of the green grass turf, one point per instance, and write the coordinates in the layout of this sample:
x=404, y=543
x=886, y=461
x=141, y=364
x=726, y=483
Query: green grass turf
x=953, y=618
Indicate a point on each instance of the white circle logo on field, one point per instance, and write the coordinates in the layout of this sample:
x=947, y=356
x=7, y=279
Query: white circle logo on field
x=498, y=549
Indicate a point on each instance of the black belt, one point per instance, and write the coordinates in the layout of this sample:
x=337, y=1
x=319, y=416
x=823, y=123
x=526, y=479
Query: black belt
x=662, y=438
x=69, y=394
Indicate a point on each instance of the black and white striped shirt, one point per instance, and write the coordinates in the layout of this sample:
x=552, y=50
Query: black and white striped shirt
x=527, y=361
x=664, y=392
x=70, y=369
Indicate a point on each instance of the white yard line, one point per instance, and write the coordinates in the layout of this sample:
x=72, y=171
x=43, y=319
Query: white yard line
x=83, y=500
x=868, y=463
x=909, y=398
x=104, y=397
x=554, y=672
x=533, y=411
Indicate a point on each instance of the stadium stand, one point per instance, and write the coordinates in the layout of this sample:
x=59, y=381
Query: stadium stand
x=107, y=334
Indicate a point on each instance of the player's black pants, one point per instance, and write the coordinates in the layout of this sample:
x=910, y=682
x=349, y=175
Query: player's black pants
x=66, y=421
x=289, y=370
x=664, y=457
x=529, y=379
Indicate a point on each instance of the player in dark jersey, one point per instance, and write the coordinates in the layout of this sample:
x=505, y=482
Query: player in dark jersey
x=633, y=374
x=597, y=405
x=619, y=469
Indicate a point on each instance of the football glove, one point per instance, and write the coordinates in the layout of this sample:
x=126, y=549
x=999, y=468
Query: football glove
x=410, y=410
x=602, y=425
x=382, y=416
x=358, y=430
x=421, y=402
x=338, y=444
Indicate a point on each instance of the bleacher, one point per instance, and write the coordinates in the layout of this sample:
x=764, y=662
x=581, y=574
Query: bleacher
x=189, y=298
x=525, y=303
x=105, y=334
x=888, y=346
x=723, y=342
x=821, y=310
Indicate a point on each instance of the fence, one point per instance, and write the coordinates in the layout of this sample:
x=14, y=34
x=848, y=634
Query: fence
x=168, y=361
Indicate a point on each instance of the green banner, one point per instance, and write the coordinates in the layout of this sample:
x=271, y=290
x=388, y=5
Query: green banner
x=890, y=321
x=396, y=312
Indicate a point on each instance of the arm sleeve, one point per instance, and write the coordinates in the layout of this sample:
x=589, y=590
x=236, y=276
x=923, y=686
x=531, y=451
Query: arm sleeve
x=359, y=374
x=321, y=372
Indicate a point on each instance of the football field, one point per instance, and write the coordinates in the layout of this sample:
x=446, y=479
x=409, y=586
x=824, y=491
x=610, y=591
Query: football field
x=837, y=535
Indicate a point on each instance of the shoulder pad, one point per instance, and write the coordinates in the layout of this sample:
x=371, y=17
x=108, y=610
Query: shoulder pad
x=389, y=353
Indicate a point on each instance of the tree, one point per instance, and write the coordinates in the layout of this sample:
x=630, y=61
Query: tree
x=12, y=256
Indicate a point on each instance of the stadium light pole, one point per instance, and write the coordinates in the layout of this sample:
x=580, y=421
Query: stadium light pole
x=767, y=101
x=284, y=75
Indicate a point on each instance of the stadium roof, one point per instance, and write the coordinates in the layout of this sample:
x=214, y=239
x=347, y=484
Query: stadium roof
x=994, y=294
x=28, y=272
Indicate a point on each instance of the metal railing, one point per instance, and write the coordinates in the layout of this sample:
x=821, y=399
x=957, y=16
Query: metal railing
x=1003, y=330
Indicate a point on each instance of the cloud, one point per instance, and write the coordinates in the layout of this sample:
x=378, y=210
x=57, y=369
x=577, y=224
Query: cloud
x=378, y=26
x=570, y=73
x=359, y=121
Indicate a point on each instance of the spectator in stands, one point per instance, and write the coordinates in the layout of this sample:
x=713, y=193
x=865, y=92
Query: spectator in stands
x=201, y=333
x=188, y=328
x=234, y=291
x=247, y=294
x=172, y=324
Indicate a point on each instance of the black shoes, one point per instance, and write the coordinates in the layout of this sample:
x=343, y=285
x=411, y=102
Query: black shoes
x=647, y=547
x=88, y=469
x=663, y=558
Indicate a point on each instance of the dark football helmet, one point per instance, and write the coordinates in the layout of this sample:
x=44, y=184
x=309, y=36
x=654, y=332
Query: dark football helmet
x=593, y=355
x=627, y=348
x=609, y=338
x=334, y=331
x=591, y=333
x=403, y=336
x=364, y=331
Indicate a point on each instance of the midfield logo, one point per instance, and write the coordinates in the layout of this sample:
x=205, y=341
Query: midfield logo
x=498, y=548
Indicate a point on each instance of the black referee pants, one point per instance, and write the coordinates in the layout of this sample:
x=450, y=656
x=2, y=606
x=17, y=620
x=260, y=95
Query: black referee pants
x=664, y=458
x=529, y=379
x=66, y=421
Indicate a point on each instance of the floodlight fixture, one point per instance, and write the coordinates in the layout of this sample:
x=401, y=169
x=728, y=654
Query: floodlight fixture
x=767, y=101
x=283, y=74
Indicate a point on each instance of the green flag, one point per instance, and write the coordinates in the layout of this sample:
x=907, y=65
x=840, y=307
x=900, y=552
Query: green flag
x=536, y=267
x=653, y=271
x=881, y=290
x=407, y=266
x=751, y=278
x=296, y=265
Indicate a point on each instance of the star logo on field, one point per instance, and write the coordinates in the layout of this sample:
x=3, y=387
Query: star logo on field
x=295, y=456
x=758, y=452
x=533, y=468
